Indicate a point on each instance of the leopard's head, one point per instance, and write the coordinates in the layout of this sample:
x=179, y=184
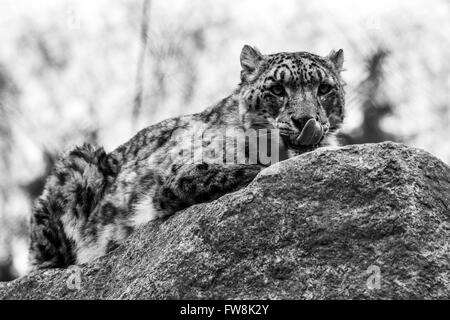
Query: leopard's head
x=300, y=94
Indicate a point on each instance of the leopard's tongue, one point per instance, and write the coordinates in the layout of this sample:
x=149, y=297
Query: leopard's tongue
x=311, y=134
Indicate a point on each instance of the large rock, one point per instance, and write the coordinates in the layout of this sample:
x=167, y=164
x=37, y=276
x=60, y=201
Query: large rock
x=364, y=221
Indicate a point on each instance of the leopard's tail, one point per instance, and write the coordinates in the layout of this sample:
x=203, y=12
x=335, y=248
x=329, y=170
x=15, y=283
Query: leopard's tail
x=72, y=191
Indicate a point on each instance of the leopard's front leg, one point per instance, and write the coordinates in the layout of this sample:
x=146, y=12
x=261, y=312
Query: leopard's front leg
x=197, y=183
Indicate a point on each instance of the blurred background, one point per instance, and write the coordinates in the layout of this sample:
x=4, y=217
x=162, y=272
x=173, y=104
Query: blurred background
x=98, y=71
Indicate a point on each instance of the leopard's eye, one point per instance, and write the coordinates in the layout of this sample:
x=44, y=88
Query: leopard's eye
x=324, y=88
x=278, y=90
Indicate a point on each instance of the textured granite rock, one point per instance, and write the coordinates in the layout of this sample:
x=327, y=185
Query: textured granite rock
x=364, y=221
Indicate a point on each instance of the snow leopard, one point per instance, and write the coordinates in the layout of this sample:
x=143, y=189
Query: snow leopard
x=93, y=200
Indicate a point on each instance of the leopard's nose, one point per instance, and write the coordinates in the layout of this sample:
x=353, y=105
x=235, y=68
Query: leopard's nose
x=300, y=121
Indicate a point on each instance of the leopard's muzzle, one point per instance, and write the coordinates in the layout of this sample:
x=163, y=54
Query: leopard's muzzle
x=311, y=134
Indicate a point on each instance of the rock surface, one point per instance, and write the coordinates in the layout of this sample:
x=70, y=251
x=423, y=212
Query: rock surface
x=365, y=221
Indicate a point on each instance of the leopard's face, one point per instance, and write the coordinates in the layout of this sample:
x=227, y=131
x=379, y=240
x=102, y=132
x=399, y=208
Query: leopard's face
x=300, y=94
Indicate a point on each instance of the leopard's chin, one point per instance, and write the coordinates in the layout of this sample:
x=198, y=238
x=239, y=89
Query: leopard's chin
x=291, y=142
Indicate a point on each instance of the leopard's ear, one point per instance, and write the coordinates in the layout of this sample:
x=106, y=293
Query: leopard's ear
x=251, y=60
x=337, y=58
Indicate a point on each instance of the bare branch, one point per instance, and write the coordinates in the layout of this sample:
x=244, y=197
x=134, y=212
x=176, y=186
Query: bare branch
x=139, y=83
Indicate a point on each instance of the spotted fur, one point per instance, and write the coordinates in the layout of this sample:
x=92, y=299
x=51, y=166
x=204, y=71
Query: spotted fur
x=93, y=200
